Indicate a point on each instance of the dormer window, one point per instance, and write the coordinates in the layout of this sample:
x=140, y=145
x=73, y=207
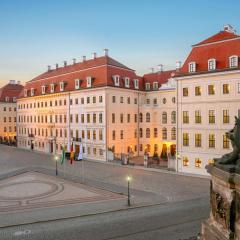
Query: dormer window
x=155, y=86
x=7, y=99
x=62, y=86
x=136, y=83
x=147, y=86
x=127, y=82
x=116, y=80
x=14, y=99
x=192, y=67
x=32, y=91
x=77, y=83
x=52, y=87
x=89, y=82
x=25, y=92
x=211, y=64
x=43, y=89
x=233, y=61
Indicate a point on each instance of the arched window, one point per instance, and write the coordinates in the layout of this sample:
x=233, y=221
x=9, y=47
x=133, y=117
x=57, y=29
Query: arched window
x=164, y=133
x=173, y=133
x=164, y=117
x=140, y=132
x=147, y=117
x=147, y=133
x=173, y=116
x=140, y=117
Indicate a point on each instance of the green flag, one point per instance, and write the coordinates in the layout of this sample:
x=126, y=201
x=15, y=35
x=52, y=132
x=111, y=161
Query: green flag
x=63, y=155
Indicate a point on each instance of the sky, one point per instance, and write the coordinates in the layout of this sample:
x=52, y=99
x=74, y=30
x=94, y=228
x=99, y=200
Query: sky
x=139, y=33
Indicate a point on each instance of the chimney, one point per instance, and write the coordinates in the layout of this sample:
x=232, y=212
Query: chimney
x=56, y=66
x=12, y=82
x=178, y=65
x=49, y=68
x=229, y=28
x=83, y=58
x=94, y=55
x=18, y=82
x=152, y=70
x=160, y=68
x=105, y=51
x=74, y=61
x=65, y=63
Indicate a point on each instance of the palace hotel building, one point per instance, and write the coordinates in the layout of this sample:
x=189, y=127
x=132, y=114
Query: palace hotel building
x=182, y=114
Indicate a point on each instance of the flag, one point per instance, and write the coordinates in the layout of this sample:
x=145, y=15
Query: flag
x=63, y=155
x=71, y=154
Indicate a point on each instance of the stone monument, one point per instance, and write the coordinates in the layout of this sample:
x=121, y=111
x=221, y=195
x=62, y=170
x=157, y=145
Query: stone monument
x=224, y=220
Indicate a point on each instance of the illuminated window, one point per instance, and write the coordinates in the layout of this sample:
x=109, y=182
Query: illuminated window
x=185, y=161
x=164, y=117
x=185, y=92
x=198, y=162
x=173, y=117
x=226, y=88
x=211, y=90
x=211, y=140
x=197, y=91
x=225, y=116
x=185, y=139
x=173, y=133
x=211, y=116
x=198, y=118
x=225, y=141
x=198, y=140
x=185, y=117
x=164, y=133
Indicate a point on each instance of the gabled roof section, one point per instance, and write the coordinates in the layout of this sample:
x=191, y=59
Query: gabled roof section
x=10, y=90
x=160, y=77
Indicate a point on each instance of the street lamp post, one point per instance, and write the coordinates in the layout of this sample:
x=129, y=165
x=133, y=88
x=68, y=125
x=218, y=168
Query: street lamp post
x=128, y=182
x=56, y=160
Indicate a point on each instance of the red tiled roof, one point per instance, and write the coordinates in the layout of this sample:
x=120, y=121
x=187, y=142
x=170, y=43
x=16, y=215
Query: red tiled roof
x=100, y=69
x=11, y=91
x=160, y=77
x=223, y=45
x=221, y=36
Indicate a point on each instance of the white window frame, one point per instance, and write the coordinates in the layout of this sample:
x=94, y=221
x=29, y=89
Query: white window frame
x=136, y=83
x=89, y=82
x=7, y=99
x=147, y=86
x=192, y=67
x=14, y=99
x=32, y=91
x=62, y=86
x=236, y=61
x=116, y=79
x=25, y=92
x=43, y=89
x=77, y=83
x=127, y=82
x=52, y=87
x=213, y=66
x=155, y=85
